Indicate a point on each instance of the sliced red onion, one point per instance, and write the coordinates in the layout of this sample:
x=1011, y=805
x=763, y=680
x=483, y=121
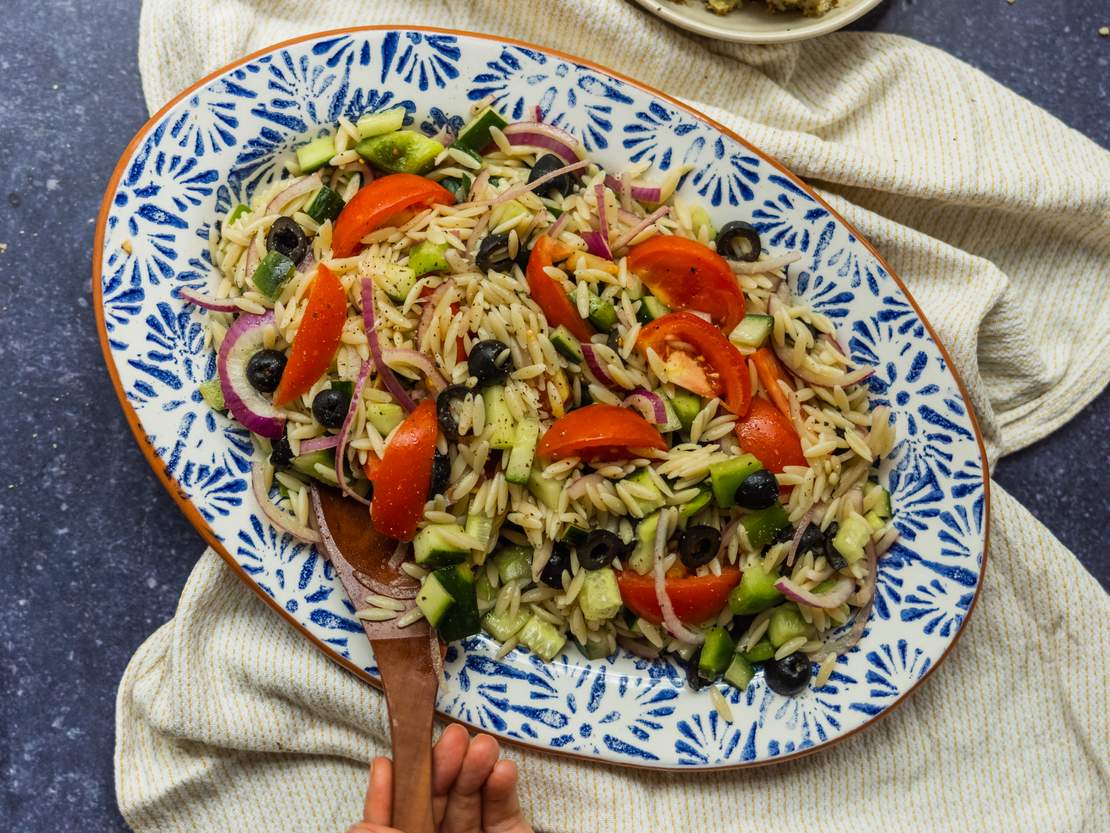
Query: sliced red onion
x=578, y=488
x=539, y=114
x=638, y=648
x=654, y=408
x=758, y=267
x=558, y=226
x=516, y=191
x=399, y=553
x=596, y=245
x=367, y=175
x=833, y=343
x=432, y=376
x=196, y=298
x=806, y=520
x=319, y=443
x=478, y=185
x=250, y=259
x=344, y=431
x=546, y=136
x=630, y=235
x=308, y=264
x=602, y=214
x=670, y=620
x=297, y=189
x=254, y=412
x=596, y=366
x=429, y=309
x=640, y=193
x=369, y=322
x=835, y=597
x=282, y=520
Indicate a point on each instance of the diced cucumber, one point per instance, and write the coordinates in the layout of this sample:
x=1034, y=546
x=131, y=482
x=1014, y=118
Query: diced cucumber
x=672, y=423
x=306, y=464
x=739, y=672
x=600, y=597
x=716, y=653
x=762, y=525
x=272, y=272
x=212, y=394
x=400, y=152
x=461, y=618
x=543, y=638
x=643, y=557
x=432, y=546
x=852, y=537
x=506, y=625
x=596, y=647
x=513, y=562
x=881, y=512
x=874, y=521
x=479, y=527
x=727, y=475
x=650, y=309
x=545, y=490
x=786, y=624
x=699, y=219
x=692, y=507
x=511, y=210
x=484, y=591
x=325, y=205
x=762, y=651
x=475, y=135
x=573, y=535
x=755, y=592
x=384, y=416
x=519, y=467
x=375, y=124
x=433, y=600
x=686, y=407
x=237, y=212
x=568, y=346
x=459, y=187
x=395, y=280
x=642, y=480
x=427, y=256
x=602, y=314
x=499, y=418
x=315, y=154
x=752, y=331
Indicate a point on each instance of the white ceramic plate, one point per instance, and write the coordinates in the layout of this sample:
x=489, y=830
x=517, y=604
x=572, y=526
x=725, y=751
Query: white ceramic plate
x=754, y=23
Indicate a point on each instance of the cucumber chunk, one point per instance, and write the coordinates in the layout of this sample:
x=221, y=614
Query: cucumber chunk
x=573, y=535
x=641, y=479
x=396, y=281
x=786, y=624
x=519, y=468
x=762, y=651
x=602, y=314
x=755, y=592
x=643, y=557
x=212, y=394
x=567, y=345
x=504, y=626
x=692, y=507
x=852, y=537
x=543, y=638
x=315, y=154
x=384, y=416
x=686, y=407
x=600, y=597
x=499, y=417
x=475, y=134
x=727, y=475
x=272, y=272
x=762, y=525
x=739, y=672
x=650, y=309
x=427, y=256
x=752, y=331
x=433, y=600
x=716, y=653
x=479, y=527
x=432, y=546
x=461, y=617
x=513, y=563
x=544, y=489
x=375, y=124
x=306, y=464
x=595, y=647
x=400, y=152
x=325, y=205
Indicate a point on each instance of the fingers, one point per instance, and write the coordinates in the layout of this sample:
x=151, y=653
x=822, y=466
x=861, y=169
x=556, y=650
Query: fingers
x=447, y=758
x=378, y=809
x=463, y=813
x=364, y=827
x=500, y=805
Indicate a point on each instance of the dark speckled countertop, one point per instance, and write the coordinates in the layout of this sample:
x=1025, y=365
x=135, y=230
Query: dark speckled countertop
x=95, y=551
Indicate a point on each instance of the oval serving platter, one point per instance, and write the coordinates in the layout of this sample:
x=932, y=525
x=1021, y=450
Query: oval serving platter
x=220, y=139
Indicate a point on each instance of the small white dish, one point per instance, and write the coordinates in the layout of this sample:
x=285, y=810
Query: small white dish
x=754, y=23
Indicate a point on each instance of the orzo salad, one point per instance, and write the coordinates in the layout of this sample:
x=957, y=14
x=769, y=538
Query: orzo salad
x=584, y=411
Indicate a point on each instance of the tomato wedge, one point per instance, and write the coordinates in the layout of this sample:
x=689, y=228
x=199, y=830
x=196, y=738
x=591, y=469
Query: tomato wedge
x=599, y=432
x=377, y=202
x=770, y=436
x=695, y=599
x=770, y=371
x=684, y=274
x=548, y=293
x=317, y=339
x=724, y=371
x=404, y=474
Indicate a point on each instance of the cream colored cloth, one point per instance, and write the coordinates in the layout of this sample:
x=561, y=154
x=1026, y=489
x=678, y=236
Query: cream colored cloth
x=998, y=218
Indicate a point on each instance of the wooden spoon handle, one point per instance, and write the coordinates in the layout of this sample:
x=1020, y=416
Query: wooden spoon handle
x=410, y=684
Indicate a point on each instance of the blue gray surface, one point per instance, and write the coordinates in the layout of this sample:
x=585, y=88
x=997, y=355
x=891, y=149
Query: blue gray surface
x=96, y=552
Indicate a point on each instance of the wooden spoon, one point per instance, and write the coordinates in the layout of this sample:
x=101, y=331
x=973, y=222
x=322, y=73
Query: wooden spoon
x=361, y=555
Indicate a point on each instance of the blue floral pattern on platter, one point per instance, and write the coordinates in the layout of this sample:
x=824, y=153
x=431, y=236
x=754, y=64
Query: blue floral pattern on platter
x=220, y=142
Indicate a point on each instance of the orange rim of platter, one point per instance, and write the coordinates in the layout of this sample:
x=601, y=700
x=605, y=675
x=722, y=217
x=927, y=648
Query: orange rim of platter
x=206, y=533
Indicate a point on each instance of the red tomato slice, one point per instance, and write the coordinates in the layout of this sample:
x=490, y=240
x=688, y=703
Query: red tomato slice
x=684, y=274
x=770, y=436
x=404, y=474
x=770, y=371
x=377, y=202
x=598, y=432
x=687, y=372
x=547, y=292
x=317, y=339
x=723, y=370
x=695, y=599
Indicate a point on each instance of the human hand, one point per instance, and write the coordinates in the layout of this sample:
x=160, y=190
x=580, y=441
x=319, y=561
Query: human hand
x=472, y=791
